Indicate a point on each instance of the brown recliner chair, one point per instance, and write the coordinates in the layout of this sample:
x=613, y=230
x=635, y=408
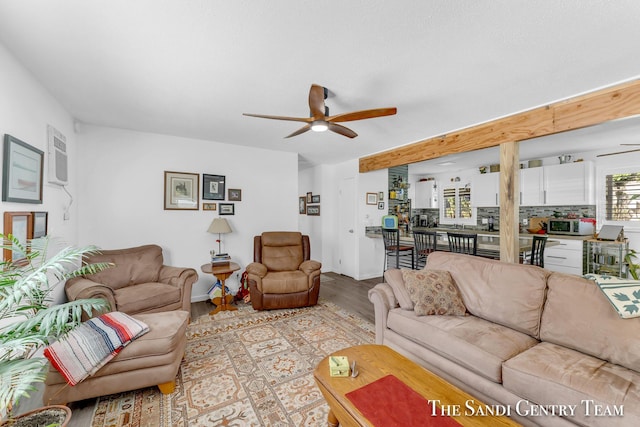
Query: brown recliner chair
x=282, y=274
x=137, y=283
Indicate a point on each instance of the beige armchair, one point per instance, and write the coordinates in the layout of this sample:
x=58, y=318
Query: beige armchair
x=282, y=274
x=137, y=283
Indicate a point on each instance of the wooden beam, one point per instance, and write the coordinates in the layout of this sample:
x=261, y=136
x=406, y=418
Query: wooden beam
x=509, y=202
x=611, y=103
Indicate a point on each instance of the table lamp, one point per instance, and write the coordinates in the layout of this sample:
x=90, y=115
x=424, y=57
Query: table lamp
x=220, y=226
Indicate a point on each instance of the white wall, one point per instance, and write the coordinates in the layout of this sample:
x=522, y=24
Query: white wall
x=122, y=189
x=25, y=110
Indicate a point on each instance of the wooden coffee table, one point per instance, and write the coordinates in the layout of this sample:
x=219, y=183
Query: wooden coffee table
x=376, y=361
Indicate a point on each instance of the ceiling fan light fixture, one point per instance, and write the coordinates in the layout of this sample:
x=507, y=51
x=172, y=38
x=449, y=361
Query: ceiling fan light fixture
x=319, y=126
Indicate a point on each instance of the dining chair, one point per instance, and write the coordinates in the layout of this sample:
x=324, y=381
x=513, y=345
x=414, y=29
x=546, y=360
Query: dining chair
x=424, y=243
x=463, y=243
x=393, y=247
x=537, y=251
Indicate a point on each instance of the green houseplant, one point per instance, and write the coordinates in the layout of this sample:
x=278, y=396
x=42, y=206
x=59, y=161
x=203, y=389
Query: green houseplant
x=28, y=320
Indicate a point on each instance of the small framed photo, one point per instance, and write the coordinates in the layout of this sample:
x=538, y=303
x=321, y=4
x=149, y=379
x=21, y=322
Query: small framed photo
x=227, y=209
x=21, y=172
x=372, y=198
x=235, y=195
x=39, y=227
x=381, y=205
x=20, y=226
x=208, y=206
x=309, y=197
x=302, y=205
x=313, y=210
x=380, y=196
x=213, y=187
x=181, y=191
x=315, y=198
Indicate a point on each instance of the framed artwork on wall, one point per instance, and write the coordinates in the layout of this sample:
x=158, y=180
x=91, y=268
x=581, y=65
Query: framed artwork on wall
x=227, y=209
x=372, y=198
x=213, y=187
x=21, y=172
x=208, y=206
x=313, y=210
x=315, y=198
x=20, y=226
x=235, y=195
x=309, y=197
x=302, y=205
x=40, y=220
x=181, y=191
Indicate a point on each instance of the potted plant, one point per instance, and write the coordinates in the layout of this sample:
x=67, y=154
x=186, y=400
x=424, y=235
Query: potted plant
x=28, y=320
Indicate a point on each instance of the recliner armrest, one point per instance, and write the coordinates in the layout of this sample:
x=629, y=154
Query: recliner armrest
x=257, y=269
x=309, y=266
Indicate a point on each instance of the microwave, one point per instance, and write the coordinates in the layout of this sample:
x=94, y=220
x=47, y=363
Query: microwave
x=578, y=226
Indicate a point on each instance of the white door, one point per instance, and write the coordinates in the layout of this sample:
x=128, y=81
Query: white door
x=346, y=228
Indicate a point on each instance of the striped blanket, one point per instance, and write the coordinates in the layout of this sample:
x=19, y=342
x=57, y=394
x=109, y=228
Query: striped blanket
x=87, y=348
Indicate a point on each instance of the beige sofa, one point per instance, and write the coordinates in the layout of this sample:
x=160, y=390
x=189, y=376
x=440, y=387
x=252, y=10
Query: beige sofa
x=531, y=337
x=138, y=282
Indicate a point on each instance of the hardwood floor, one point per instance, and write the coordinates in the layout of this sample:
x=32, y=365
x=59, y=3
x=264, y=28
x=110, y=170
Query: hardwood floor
x=341, y=290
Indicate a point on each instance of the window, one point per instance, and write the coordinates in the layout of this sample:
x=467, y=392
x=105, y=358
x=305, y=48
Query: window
x=456, y=204
x=623, y=197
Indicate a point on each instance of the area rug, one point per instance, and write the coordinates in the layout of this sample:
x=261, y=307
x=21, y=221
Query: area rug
x=245, y=368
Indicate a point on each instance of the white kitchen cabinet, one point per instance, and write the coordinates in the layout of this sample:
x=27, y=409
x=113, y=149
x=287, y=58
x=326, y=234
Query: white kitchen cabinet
x=531, y=187
x=486, y=190
x=426, y=195
x=566, y=257
x=569, y=184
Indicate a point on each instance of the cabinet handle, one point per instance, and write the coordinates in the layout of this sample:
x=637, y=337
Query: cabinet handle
x=497, y=203
x=544, y=197
x=559, y=257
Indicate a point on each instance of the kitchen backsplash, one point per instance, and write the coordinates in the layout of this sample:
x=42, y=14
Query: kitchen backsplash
x=588, y=211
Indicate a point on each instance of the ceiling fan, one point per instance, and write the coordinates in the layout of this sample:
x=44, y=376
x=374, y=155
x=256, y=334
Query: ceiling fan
x=621, y=152
x=320, y=120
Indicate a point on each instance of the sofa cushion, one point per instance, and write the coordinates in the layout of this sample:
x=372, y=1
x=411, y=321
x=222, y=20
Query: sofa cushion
x=505, y=293
x=578, y=315
x=548, y=374
x=394, y=278
x=433, y=292
x=285, y=282
x=146, y=296
x=282, y=251
x=623, y=294
x=474, y=343
x=131, y=266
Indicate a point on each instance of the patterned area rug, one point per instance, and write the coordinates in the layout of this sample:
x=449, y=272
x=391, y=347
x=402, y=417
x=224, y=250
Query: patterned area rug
x=245, y=368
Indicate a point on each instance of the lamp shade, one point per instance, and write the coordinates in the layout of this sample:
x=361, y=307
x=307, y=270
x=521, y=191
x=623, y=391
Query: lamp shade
x=220, y=226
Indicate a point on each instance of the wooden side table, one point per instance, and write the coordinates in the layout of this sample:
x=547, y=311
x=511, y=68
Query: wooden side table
x=222, y=272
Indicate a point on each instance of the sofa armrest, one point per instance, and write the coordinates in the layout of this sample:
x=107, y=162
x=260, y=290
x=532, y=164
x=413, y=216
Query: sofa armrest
x=81, y=288
x=383, y=299
x=309, y=266
x=177, y=276
x=257, y=269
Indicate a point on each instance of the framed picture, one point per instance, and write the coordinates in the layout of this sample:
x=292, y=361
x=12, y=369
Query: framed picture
x=20, y=226
x=181, y=190
x=315, y=198
x=313, y=210
x=372, y=198
x=302, y=205
x=235, y=195
x=21, y=172
x=213, y=187
x=381, y=205
x=40, y=220
x=380, y=196
x=309, y=197
x=227, y=209
x=208, y=206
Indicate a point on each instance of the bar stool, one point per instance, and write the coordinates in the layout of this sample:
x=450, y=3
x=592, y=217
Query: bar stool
x=424, y=242
x=463, y=243
x=393, y=247
x=537, y=251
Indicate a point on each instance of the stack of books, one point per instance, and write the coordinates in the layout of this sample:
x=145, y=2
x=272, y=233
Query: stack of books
x=220, y=259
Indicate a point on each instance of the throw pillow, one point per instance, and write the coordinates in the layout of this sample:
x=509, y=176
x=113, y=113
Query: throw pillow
x=623, y=294
x=433, y=292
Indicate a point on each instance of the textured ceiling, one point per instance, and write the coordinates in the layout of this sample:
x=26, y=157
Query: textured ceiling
x=191, y=68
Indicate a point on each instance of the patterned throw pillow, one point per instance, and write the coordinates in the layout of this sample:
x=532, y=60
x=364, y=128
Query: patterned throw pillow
x=623, y=294
x=433, y=292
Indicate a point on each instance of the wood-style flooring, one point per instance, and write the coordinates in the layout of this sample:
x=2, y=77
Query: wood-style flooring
x=350, y=294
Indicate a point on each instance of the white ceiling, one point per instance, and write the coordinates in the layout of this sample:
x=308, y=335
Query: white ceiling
x=191, y=68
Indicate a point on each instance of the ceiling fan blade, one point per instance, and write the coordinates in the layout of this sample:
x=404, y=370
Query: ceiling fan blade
x=342, y=130
x=316, y=101
x=303, y=129
x=630, y=144
x=293, y=119
x=618, y=152
x=364, y=114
